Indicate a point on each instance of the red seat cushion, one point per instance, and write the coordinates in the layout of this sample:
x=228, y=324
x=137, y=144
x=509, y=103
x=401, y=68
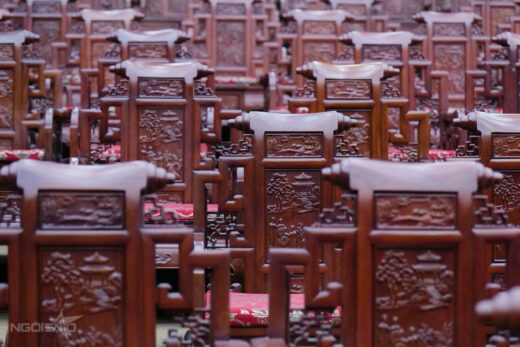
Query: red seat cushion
x=237, y=79
x=432, y=153
x=252, y=309
x=18, y=154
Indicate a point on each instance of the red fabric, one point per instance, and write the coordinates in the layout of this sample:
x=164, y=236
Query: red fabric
x=252, y=309
x=286, y=109
x=183, y=211
x=18, y=154
x=432, y=153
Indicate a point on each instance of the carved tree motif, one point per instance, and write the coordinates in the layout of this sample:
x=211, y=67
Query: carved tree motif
x=301, y=194
x=506, y=194
x=506, y=146
x=165, y=126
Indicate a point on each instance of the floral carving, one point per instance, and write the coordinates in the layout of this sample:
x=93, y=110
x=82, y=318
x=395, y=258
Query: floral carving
x=507, y=193
x=293, y=145
x=120, y=89
x=307, y=91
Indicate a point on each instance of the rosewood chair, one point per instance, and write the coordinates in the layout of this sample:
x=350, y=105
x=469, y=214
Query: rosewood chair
x=282, y=191
x=307, y=36
x=454, y=43
x=409, y=238
x=403, y=50
x=496, y=15
x=91, y=31
x=364, y=18
x=87, y=257
x=495, y=84
x=167, y=113
x=358, y=91
x=229, y=36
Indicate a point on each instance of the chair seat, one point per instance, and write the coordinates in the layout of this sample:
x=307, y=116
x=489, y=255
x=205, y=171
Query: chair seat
x=18, y=154
x=251, y=310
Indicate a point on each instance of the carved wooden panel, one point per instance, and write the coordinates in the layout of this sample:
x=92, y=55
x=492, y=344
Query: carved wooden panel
x=6, y=144
x=100, y=27
x=401, y=8
x=148, y=50
x=161, y=138
x=81, y=210
x=506, y=195
x=160, y=88
x=49, y=31
x=381, y=52
x=414, y=297
x=10, y=209
x=506, y=145
x=6, y=51
x=46, y=7
x=231, y=9
x=6, y=101
x=319, y=28
x=354, y=142
x=353, y=9
x=499, y=252
x=351, y=26
x=319, y=50
x=449, y=29
x=231, y=41
x=348, y=89
x=500, y=15
x=230, y=101
x=293, y=145
x=293, y=199
x=98, y=50
x=84, y=287
x=415, y=211
x=451, y=57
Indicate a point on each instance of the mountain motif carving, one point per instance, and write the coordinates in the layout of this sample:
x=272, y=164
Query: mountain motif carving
x=293, y=145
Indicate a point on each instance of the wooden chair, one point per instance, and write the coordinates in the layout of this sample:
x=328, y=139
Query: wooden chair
x=229, y=36
x=453, y=42
x=280, y=155
x=357, y=91
x=307, y=36
x=408, y=238
x=496, y=15
x=88, y=38
x=403, y=50
x=493, y=144
x=87, y=255
x=495, y=84
x=362, y=11
x=167, y=112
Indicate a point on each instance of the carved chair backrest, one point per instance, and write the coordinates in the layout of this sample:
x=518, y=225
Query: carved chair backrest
x=497, y=148
x=361, y=10
x=312, y=36
x=393, y=258
x=452, y=45
x=356, y=91
x=17, y=91
x=289, y=5
x=282, y=189
x=167, y=116
x=164, y=14
x=85, y=254
x=98, y=25
x=496, y=15
x=228, y=35
x=46, y=18
x=500, y=78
